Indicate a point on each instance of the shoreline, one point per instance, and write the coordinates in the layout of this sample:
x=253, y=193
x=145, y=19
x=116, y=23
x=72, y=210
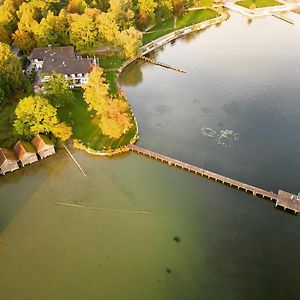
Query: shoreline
x=148, y=48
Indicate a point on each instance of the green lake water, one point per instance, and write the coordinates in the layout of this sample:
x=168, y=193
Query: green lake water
x=236, y=112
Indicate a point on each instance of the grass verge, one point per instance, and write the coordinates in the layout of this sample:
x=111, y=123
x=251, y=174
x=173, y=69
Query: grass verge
x=258, y=3
x=190, y=18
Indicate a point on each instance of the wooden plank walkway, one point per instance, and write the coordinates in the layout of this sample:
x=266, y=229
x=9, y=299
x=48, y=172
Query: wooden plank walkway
x=283, y=18
x=284, y=200
x=152, y=61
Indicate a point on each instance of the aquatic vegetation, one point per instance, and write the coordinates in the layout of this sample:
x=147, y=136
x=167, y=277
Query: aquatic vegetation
x=206, y=131
x=226, y=138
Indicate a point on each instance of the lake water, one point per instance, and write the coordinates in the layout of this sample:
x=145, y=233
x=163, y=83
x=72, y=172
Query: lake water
x=236, y=112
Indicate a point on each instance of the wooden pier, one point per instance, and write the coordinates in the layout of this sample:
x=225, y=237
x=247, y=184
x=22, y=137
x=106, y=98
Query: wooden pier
x=283, y=200
x=152, y=61
x=283, y=18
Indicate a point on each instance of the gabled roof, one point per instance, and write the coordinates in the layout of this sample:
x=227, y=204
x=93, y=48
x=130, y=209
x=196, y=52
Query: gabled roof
x=21, y=148
x=67, y=66
x=6, y=154
x=41, y=142
x=66, y=52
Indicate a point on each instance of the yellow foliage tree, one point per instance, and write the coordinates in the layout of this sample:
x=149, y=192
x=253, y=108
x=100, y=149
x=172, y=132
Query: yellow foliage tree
x=115, y=121
x=96, y=91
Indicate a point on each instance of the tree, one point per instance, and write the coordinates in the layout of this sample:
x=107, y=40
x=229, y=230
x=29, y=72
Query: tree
x=76, y=6
x=96, y=91
x=24, y=40
x=130, y=41
x=4, y=35
x=122, y=12
x=45, y=32
x=84, y=34
x=57, y=91
x=108, y=28
x=10, y=68
x=62, y=131
x=115, y=120
x=146, y=11
x=4, y=92
x=164, y=10
x=36, y=115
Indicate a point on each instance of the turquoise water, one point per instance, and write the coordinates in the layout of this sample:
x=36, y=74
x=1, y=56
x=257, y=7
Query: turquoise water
x=240, y=77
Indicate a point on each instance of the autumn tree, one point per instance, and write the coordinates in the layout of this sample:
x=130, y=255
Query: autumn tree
x=96, y=91
x=164, y=10
x=108, y=28
x=4, y=35
x=115, y=120
x=76, y=6
x=130, y=41
x=24, y=40
x=84, y=34
x=146, y=11
x=122, y=11
x=57, y=91
x=35, y=114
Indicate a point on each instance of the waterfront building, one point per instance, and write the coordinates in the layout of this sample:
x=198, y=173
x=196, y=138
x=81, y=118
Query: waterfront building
x=43, y=146
x=25, y=153
x=8, y=161
x=62, y=60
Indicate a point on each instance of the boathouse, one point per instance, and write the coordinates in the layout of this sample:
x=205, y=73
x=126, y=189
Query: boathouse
x=43, y=146
x=8, y=161
x=25, y=153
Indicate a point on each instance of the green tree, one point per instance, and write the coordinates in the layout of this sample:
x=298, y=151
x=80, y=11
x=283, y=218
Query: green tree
x=115, y=120
x=36, y=115
x=57, y=91
x=96, y=91
x=10, y=68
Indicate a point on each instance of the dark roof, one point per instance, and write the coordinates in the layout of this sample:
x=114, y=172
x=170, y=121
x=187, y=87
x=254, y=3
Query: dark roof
x=62, y=53
x=67, y=66
x=21, y=148
x=41, y=142
x=6, y=154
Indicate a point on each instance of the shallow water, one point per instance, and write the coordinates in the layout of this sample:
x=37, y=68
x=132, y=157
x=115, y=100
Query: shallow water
x=240, y=77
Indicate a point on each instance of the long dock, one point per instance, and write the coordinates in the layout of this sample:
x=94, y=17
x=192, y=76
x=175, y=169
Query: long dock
x=152, y=61
x=283, y=18
x=283, y=200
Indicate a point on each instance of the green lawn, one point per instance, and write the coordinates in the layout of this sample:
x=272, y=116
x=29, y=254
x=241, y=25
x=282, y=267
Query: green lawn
x=111, y=78
x=85, y=126
x=190, y=18
x=110, y=61
x=258, y=3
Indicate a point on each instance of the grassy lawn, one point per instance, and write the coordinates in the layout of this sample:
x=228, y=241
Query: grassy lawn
x=111, y=78
x=110, y=62
x=85, y=126
x=258, y=3
x=190, y=18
